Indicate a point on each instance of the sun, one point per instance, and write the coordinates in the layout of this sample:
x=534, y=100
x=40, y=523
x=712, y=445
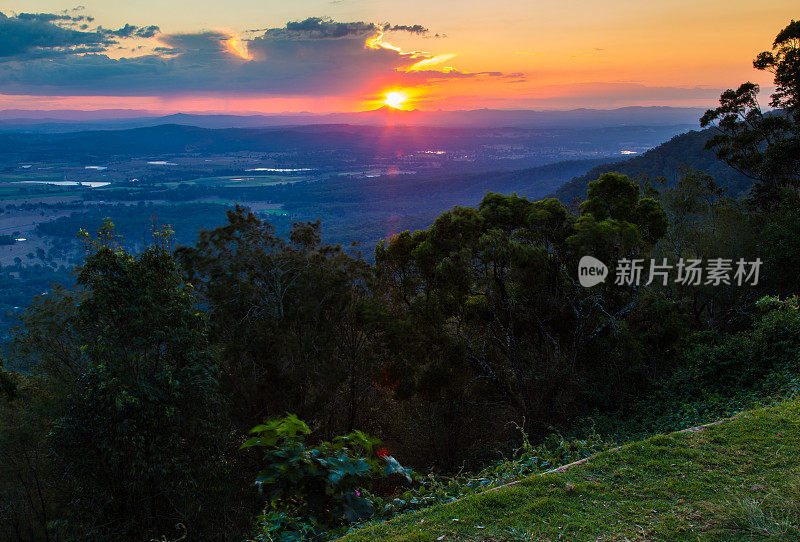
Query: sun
x=395, y=99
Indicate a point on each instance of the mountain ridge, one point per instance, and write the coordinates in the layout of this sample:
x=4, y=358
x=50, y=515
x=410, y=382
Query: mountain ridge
x=665, y=160
x=75, y=120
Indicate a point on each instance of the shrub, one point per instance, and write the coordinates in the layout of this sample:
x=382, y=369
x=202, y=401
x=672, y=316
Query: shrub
x=722, y=374
x=762, y=361
x=317, y=491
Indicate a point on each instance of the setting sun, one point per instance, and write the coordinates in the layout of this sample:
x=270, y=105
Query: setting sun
x=395, y=99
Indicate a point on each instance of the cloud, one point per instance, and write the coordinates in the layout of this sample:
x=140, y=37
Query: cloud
x=316, y=56
x=324, y=27
x=413, y=29
x=50, y=17
x=28, y=36
x=36, y=35
x=131, y=31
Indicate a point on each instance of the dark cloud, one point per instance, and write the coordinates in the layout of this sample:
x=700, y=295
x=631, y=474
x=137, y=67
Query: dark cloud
x=167, y=50
x=20, y=37
x=48, y=17
x=314, y=57
x=63, y=18
x=131, y=31
x=413, y=29
x=324, y=27
x=147, y=31
x=193, y=47
x=49, y=35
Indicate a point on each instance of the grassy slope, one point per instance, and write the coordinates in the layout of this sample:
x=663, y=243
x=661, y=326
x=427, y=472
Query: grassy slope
x=683, y=486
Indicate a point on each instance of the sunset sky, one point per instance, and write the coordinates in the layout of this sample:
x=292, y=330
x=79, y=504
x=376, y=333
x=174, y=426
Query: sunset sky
x=242, y=56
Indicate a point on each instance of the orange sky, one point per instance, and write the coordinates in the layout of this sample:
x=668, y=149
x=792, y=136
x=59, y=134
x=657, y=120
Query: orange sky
x=542, y=54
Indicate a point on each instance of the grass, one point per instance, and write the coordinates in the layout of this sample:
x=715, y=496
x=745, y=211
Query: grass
x=738, y=480
x=776, y=516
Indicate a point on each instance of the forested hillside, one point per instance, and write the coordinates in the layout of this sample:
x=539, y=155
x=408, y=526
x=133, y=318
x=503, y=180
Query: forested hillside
x=666, y=161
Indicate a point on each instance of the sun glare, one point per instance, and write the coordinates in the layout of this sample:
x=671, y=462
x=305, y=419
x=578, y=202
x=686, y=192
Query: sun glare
x=235, y=46
x=395, y=99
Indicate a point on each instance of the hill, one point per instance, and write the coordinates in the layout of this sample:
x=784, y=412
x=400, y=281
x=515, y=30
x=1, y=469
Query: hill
x=665, y=161
x=339, y=145
x=734, y=480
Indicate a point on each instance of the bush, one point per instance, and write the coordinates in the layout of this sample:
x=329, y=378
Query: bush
x=317, y=491
x=762, y=361
x=721, y=374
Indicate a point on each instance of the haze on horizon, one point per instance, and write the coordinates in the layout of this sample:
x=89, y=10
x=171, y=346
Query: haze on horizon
x=246, y=56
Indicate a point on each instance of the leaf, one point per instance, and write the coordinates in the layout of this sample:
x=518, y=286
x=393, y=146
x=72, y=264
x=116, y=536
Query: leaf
x=259, y=441
x=394, y=467
x=341, y=466
x=357, y=508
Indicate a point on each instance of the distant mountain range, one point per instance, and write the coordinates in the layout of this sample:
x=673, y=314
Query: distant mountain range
x=73, y=120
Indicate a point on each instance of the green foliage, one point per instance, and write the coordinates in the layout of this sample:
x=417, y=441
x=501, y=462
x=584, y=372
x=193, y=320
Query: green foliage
x=134, y=405
x=615, y=221
x=784, y=63
x=764, y=360
x=552, y=452
x=291, y=320
x=32, y=506
x=763, y=146
x=720, y=374
x=706, y=224
x=491, y=308
x=317, y=491
x=779, y=247
x=8, y=385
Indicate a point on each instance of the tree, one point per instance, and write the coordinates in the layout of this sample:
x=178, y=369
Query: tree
x=291, y=319
x=705, y=223
x=133, y=395
x=492, y=292
x=763, y=146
